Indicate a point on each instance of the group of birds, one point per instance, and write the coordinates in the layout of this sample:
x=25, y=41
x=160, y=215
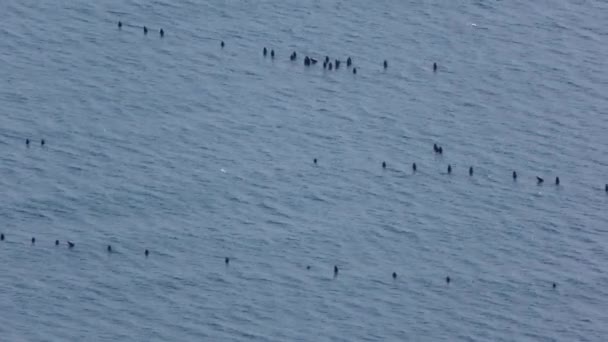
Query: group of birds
x=71, y=244
x=308, y=61
x=439, y=150
x=27, y=142
x=226, y=259
x=327, y=62
x=161, y=32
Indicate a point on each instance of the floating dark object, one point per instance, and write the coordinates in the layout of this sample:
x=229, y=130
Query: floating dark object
x=145, y=30
x=146, y=252
x=349, y=62
x=264, y=52
x=414, y=167
x=434, y=66
x=470, y=171
x=514, y=175
x=539, y=180
x=385, y=64
x=355, y=71
x=222, y=44
x=449, y=169
x=384, y=165
x=556, y=180
x=394, y=275
x=227, y=260
x=162, y=33
x=119, y=24
x=70, y=244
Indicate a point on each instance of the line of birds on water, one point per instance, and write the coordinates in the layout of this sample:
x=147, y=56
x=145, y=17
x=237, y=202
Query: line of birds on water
x=436, y=148
x=70, y=244
x=439, y=150
x=308, y=61
x=109, y=249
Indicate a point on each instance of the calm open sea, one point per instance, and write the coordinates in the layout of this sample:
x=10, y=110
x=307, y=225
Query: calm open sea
x=198, y=153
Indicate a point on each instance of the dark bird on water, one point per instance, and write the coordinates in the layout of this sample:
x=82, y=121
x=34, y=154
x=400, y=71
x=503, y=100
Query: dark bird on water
x=222, y=44
x=147, y=252
x=27, y=142
x=1, y=237
x=539, y=180
x=308, y=267
x=271, y=53
x=606, y=187
x=434, y=66
x=337, y=63
x=449, y=169
x=315, y=160
x=109, y=248
x=145, y=30
x=264, y=52
x=394, y=275
x=70, y=244
x=329, y=66
x=313, y=61
x=335, y=271
x=447, y=279
x=42, y=142
x=162, y=33
x=293, y=56
x=33, y=240
x=306, y=61
x=384, y=165
x=556, y=180
x=414, y=168
x=554, y=285
x=355, y=71
x=385, y=64
x=514, y=175
x=56, y=242
x=324, y=65
x=227, y=260
x=119, y=24
x=349, y=62
x=470, y=171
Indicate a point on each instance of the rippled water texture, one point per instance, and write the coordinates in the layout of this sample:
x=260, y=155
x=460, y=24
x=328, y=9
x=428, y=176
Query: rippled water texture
x=198, y=153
